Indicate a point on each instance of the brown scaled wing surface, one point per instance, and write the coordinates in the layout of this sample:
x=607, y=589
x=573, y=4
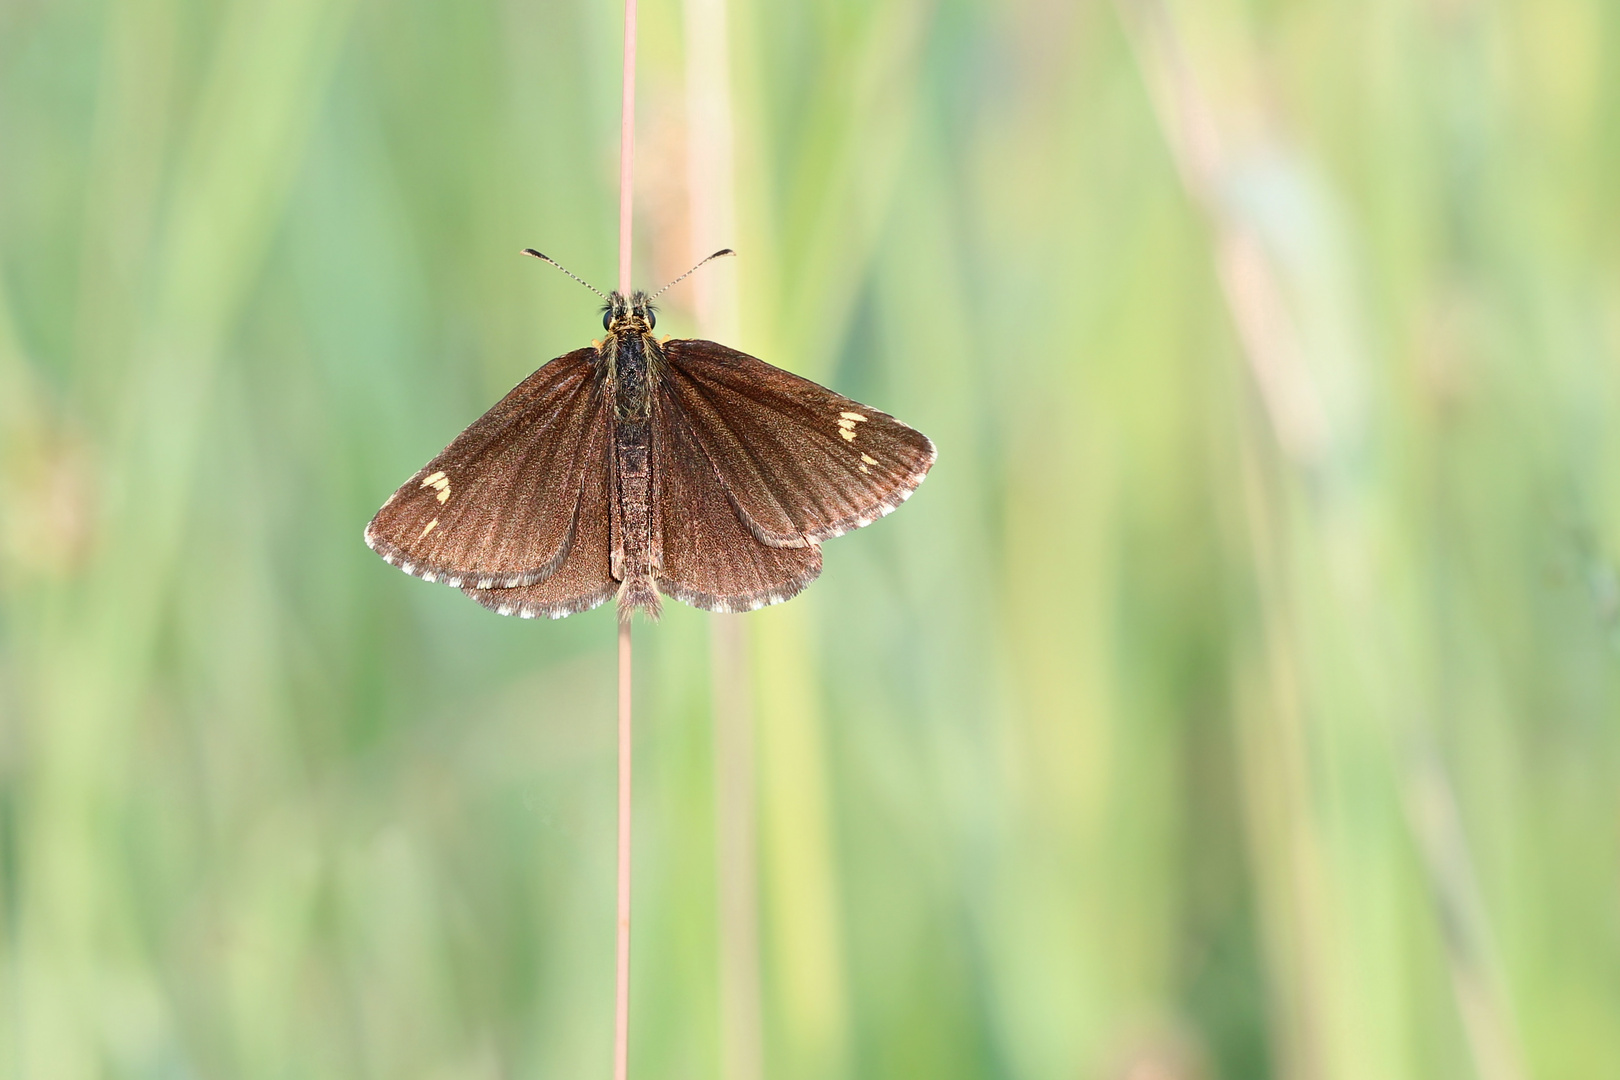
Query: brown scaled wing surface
x=755, y=465
x=798, y=462
x=751, y=467
x=497, y=506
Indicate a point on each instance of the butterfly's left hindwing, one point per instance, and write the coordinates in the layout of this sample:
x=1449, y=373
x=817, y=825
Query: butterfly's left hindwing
x=798, y=462
x=584, y=579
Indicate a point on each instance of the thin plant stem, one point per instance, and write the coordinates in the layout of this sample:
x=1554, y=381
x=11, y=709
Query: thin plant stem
x=1270, y=333
x=741, y=1045
x=627, y=157
x=621, y=1010
x=627, y=145
x=712, y=210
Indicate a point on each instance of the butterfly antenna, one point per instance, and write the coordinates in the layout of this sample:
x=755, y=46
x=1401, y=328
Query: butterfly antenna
x=576, y=277
x=689, y=273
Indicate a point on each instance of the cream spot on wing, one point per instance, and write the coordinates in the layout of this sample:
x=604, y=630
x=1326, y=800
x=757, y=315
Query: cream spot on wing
x=440, y=483
x=868, y=460
x=847, y=433
x=855, y=416
x=430, y=527
x=864, y=469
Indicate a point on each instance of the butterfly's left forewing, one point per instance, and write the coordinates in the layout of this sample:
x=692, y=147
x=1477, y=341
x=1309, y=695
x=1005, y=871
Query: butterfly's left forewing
x=798, y=462
x=496, y=507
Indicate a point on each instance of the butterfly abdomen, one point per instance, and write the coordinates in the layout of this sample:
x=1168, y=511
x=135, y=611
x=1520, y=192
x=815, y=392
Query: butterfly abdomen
x=632, y=453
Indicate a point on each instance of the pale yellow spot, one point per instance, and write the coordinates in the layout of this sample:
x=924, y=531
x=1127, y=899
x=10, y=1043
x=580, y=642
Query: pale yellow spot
x=864, y=469
x=847, y=433
x=869, y=460
x=855, y=416
x=430, y=527
x=440, y=483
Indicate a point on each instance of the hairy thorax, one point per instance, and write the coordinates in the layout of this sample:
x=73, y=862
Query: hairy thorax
x=632, y=360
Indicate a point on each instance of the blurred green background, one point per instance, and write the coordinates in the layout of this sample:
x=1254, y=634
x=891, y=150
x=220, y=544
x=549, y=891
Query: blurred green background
x=1238, y=698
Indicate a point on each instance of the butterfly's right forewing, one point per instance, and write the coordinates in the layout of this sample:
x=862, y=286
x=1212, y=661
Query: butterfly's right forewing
x=497, y=507
x=799, y=462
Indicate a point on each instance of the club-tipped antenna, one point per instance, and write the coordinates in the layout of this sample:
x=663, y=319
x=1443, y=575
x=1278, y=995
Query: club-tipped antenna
x=689, y=273
x=576, y=277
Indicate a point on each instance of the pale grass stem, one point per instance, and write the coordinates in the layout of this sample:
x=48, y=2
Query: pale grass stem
x=1272, y=338
x=712, y=218
x=621, y=999
x=627, y=157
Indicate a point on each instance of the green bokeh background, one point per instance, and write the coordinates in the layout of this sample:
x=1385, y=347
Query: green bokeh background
x=1238, y=698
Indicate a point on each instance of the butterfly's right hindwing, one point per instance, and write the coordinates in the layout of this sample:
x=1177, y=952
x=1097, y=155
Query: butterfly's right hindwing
x=497, y=507
x=706, y=555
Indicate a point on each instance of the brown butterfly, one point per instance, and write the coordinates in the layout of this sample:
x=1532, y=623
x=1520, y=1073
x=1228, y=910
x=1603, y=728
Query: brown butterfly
x=642, y=466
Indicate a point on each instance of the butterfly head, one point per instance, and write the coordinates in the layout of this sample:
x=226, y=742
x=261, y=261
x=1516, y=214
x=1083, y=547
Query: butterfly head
x=634, y=314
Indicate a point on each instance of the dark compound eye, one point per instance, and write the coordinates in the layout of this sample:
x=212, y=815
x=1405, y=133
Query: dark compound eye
x=652, y=319
x=607, y=319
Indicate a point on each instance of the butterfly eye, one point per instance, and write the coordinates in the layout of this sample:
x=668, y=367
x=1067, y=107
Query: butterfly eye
x=607, y=320
x=652, y=320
